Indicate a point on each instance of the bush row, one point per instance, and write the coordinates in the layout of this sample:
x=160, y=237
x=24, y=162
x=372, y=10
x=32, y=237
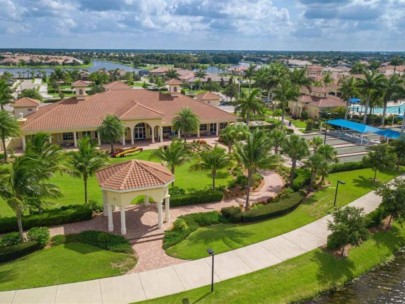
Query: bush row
x=52, y=217
x=197, y=197
x=19, y=250
x=350, y=166
x=103, y=240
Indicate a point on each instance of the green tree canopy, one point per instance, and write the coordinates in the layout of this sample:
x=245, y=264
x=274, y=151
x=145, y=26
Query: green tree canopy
x=186, y=121
x=379, y=158
x=111, y=130
x=5, y=93
x=296, y=147
x=249, y=104
x=393, y=199
x=8, y=128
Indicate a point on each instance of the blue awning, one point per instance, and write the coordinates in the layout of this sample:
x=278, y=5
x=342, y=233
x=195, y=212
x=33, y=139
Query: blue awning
x=354, y=100
x=355, y=126
x=401, y=116
x=389, y=133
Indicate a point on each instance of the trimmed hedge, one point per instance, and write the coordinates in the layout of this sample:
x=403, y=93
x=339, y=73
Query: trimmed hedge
x=103, y=240
x=40, y=235
x=232, y=214
x=350, y=166
x=198, y=197
x=301, y=180
x=51, y=217
x=10, y=239
x=16, y=251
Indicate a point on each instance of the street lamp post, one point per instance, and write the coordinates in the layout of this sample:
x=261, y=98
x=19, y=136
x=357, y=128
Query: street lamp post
x=326, y=131
x=212, y=253
x=336, y=192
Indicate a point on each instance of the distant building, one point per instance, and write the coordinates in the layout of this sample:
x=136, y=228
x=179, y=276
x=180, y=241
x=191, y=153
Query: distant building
x=209, y=98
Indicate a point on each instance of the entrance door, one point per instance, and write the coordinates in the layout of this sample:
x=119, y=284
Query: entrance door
x=140, y=131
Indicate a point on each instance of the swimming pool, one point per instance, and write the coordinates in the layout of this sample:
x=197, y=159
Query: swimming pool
x=398, y=109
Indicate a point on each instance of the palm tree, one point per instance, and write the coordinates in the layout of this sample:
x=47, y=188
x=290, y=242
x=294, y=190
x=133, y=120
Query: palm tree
x=172, y=73
x=249, y=104
x=111, y=130
x=277, y=138
x=315, y=143
x=269, y=78
x=186, y=121
x=393, y=89
x=254, y=154
x=173, y=155
x=315, y=163
x=396, y=61
x=372, y=82
x=8, y=128
x=233, y=134
x=200, y=74
x=348, y=89
x=358, y=68
x=299, y=78
x=330, y=155
x=284, y=93
x=296, y=147
x=5, y=93
x=212, y=160
x=327, y=79
x=249, y=74
x=86, y=161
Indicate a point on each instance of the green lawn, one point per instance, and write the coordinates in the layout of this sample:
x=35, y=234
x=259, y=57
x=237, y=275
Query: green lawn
x=225, y=237
x=300, y=278
x=72, y=188
x=67, y=263
x=298, y=123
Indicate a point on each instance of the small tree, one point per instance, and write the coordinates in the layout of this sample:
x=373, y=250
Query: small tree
x=186, y=121
x=5, y=93
x=398, y=147
x=8, y=128
x=212, y=160
x=348, y=227
x=380, y=157
x=296, y=147
x=111, y=130
x=234, y=133
x=31, y=93
x=249, y=104
x=316, y=142
x=231, y=90
x=393, y=200
x=277, y=138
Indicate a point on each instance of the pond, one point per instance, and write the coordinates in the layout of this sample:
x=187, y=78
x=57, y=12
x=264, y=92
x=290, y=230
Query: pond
x=385, y=284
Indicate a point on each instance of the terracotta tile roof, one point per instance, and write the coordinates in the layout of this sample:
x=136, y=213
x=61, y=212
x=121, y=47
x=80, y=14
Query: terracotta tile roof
x=117, y=85
x=87, y=114
x=26, y=102
x=80, y=83
x=133, y=175
x=322, y=102
x=173, y=81
x=159, y=70
x=208, y=96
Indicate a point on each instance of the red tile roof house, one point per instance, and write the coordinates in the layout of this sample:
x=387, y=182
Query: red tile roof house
x=209, y=98
x=146, y=115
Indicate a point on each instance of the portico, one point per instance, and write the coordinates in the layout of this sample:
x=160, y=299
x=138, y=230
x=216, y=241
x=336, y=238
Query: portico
x=121, y=183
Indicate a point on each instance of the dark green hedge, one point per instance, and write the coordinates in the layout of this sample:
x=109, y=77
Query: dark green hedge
x=350, y=166
x=289, y=202
x=301, y=180
x=16, y=251
x=52, y=217
x=198, y=197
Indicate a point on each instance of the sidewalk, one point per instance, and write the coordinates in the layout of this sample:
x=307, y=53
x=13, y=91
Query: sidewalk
x=188, y=275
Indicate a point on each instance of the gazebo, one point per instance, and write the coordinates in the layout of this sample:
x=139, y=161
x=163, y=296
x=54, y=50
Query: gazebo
x=121, y=183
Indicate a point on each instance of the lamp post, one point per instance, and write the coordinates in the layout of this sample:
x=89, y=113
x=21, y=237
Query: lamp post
x=326, y=131
x=212, y=253
x=336, y=192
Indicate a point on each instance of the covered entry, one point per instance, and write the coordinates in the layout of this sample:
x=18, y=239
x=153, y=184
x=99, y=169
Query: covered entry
x=121, y=183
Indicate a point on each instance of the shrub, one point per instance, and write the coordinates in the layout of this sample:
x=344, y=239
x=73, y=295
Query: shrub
x=52, y=217
x=350, y=166
x=10, y=239
x=197, y=197
x=285, y=204
x=302, y=179
x=304, y=115
x=310, y=125
x=16, y=251
x=375, y=218
x=232, y=214
x=176, y=191
x=40, y=235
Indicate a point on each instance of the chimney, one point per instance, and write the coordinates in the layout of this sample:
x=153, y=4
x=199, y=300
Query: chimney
x=80, y=88
x=174, y=86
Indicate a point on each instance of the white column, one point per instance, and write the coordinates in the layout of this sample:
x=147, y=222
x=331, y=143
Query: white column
x=132, y=136
x=24, y=142
x=217, y=131
x=50, y=138
x=153, y=134
x=99, y=138
x=178, y=134
x=198, y=131
x=123, y=224
x=161, y=133
x=75, y=139
x=105, y=203
x=167, y=209
x=123, y=140
x=146, y=200
x=110, y=218
x=160, y=218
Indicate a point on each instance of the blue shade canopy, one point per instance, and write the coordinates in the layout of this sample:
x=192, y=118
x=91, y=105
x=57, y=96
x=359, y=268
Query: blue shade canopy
x=355, y=126
x=389, y=133
x=354, y=100
x=401, y=116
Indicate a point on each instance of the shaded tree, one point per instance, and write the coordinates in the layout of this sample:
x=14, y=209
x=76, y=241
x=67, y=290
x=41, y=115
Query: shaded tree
x=296, y=147
x=111, y=130
x=379, y=158
x=186, y=121
x=393, y=200
x=8, y=128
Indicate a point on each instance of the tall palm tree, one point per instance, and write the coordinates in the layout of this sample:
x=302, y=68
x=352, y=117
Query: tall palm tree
x=111, y=130
x=269, y=78
x=372, y=82
x=8, y=128
x=316, y=143
x=315, y=163
x=172, y=73
x=253, y=154
x=249, y=74
x=86, y=161
x=299, y=78
x=348, y=89
x=285, y=92
x=330, y=155
x=233, y=134
x=393, y=89
x=212, y=160
x=327, y=79
x=186, y=121
x=396, y=61
x=358, y=68
x=277, y=138
x=249, y=104
x=296, y=147
x=5, y=93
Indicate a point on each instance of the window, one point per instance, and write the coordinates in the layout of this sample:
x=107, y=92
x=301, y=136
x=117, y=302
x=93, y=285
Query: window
x=68, y=136
x=213, y=128
x=80, y=91
x=222, y=125
x=86, y=134
x=203, y=127
x=29, y=110
x=167, y=130
x=175, y=89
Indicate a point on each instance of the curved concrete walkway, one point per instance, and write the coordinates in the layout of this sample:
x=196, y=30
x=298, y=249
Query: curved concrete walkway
x=188, y=275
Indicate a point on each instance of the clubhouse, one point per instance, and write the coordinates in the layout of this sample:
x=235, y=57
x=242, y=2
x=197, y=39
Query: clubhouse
x=146, y=115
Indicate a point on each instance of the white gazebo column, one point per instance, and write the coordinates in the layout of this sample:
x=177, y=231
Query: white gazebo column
x=75, y=139
x=178, y=134
x=146, y=200
x=110, y=218
x=161, y=133
x=99, y=138
x=123, y=140
x=153, y=134
x=217, y=130
x=167, y=209
x=105, y=204
x=198, y=131
x=160, y=217
x=24, y=142
x=132, y=136
x=123, y=223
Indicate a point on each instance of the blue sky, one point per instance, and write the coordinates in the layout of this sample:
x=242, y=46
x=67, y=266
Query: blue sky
x=353, y=25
